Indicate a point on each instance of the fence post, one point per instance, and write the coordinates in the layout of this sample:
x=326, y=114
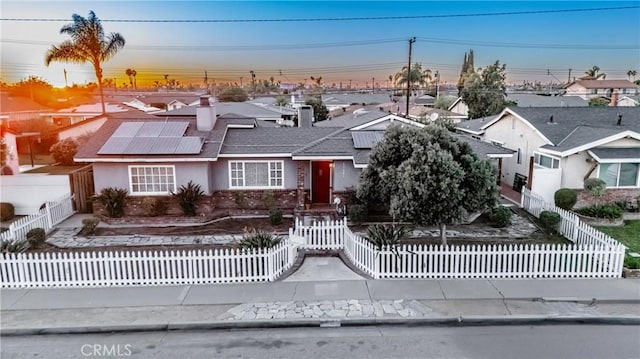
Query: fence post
x=47, y=207
x=12, y=231
x=576, y=226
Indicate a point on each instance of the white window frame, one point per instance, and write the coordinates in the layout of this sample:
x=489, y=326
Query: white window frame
x=618, y=174
x=536, y=160
x=244, y=179
x=152, y=193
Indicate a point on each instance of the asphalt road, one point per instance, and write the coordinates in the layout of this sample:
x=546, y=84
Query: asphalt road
x=509, y=342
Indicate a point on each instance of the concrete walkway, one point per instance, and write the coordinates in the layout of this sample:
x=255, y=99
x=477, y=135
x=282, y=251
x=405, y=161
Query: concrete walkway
x=322, y=269
x=32, y=311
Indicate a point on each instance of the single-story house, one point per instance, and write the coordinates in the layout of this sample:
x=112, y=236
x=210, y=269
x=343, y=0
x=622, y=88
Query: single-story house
x=246, y=109
x=20, y=108
x=77, y=114
x=561, y=147
x=588, y=89
x=528, y=100
x=233, y=157
x=344, y=100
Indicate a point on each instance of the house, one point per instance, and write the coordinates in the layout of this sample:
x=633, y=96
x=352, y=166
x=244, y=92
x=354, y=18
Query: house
x=588, y=89
x=235, y=159
x=76, y=114
x=155, y=102
x=561, y=147
x=423, y=113
x=246, y=109
x=425, y=100
x=337, y=101
x=626, y=101
x=528, y=100
x=19, y=108
x=91, y=125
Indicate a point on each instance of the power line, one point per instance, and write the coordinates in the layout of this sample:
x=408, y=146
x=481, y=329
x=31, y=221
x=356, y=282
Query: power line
x=367, y=18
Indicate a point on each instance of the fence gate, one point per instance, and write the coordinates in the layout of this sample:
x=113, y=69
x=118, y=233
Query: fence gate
x=81, y=181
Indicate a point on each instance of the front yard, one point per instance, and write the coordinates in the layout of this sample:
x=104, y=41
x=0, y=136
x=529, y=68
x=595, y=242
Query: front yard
x=629, y=234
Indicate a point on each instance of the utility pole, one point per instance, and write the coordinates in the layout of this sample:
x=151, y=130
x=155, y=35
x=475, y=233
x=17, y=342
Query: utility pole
x=569, y=79
x=253, y=82
x=373, y=85
x=65, y=78
x=411, y=41
x=241, y=81
x=437, y=84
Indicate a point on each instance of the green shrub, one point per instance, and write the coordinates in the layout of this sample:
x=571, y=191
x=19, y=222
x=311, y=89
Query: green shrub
x=36, y=237
x=565, y=198
x=595, y=187
x=154, y=206
x=268, y=199
x=113, y=201
x=275, y=215
x=632, y=262
x=357, y=213
x=382, y=235
x=240, y=200
x=601, y=211
x=64, y=150
x=501, y=216
x=89, y=226
x=550, y=221
x=7, y=211
x=256, y=239
x=188, y=197
x=13, y=246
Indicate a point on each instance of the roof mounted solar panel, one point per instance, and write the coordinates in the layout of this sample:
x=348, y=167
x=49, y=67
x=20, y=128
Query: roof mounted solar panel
x=174, y=129
x=127, y=129
x=164, y=145
x=189, y=145
x=150, y=129
x=115, y=145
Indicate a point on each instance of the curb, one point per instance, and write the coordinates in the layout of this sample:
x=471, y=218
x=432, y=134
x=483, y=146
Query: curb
x=460, y=321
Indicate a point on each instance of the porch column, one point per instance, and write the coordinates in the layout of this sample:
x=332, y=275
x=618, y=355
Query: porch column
x=300, y=191
x=499, y=171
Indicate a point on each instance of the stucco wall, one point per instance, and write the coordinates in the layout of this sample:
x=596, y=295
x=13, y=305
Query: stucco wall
x=345, y=175
x=117, y=174
x=27, y=192
x=516, y=135
x=80, y=130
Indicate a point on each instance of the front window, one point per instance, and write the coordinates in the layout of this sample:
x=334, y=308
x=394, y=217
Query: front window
x=256, y=174
x=546, y=161
x=152, y=179
x=619, y=174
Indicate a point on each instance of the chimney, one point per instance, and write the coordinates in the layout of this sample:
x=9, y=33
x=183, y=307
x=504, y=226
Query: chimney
x=614, y=99
x=619, y=123
x=551, y=119
x=305, y=116
x=205, y=114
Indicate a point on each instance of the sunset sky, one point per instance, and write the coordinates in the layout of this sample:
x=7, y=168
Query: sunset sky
x=339, y=51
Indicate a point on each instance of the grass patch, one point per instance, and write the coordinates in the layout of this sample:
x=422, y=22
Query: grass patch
x=629, y=234
x=55, y=170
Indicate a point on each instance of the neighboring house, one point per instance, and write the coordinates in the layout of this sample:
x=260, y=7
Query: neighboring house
x=561, y=147
x=154, y=102
x=528, y=100
x=588, y=89
x=91, y=125
x=234, y=157
x=77, y=114
x=422, y=113
x=246, y=109
x=626, y=101
x=20, y=108
x=425, y=100
x=337, y=101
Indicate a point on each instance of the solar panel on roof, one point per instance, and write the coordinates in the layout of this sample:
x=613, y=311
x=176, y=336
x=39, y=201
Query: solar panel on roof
x=174, y=129
x=114, y=145
x=139, y=145
x=366, y=139
x=189, y=145
x=150, y=129
x=127, y=129
x=164, y=145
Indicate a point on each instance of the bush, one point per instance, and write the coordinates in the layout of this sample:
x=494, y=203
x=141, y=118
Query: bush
x=601, y=211
x=357, y=213
x=256, y=239
x=113, y=201
x=240, y=200
x=13, y=246
x=632, y=262
x=501, y=216
x=63, y=151
x=381, y=235
x=7, y=211
x=188, y=197
x=89, y=226
x=565, y=198
x=268, y=199
x=550, y=221
x=275, y=215
x=154, y=206
x=595, y=187
x=36, y=237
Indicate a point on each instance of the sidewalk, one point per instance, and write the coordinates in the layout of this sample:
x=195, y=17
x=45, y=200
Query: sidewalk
x=292, y=303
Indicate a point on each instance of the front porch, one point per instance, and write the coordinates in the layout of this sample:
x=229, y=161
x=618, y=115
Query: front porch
x=507, y=192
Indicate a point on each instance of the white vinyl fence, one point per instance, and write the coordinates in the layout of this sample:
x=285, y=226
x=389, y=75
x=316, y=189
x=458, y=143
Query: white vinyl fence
x=589, y=258
x=53, y=213
x=103, y=269
x=570, y=225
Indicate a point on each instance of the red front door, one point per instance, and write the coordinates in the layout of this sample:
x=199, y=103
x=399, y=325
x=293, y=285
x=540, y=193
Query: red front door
x=320, y=181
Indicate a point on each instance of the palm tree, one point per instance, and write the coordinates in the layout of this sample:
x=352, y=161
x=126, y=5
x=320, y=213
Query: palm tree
x=129, y=74
x=88, y=44
x=632, y=73
x=594, y=73
x=135, y=83
x=418, y=77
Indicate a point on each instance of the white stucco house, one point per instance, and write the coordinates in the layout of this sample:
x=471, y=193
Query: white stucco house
x=561, y=147
x=588, y=89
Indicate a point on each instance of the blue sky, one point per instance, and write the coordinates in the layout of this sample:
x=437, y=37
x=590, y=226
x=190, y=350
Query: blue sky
x=185, y=50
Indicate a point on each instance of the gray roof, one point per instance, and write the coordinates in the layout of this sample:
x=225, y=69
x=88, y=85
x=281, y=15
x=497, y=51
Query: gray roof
x=616, y=152
x=338, y=143
x=355, y=98
x=533, y=100
x=352, y=120
x=475, y=124
x=482, y=148
x=241, y=108
x=271, y=140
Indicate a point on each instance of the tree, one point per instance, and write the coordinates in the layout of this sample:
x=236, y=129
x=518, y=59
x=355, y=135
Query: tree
x=466, y=71
x=485, y=93
x=281, y=101
x=320, y=111
x=444, y=102
x=232, y=94
x=35, y=88
x=594, y=74
x=427, y=177
x=63, y=151
x=132, y=77
x=598, y=102
x=418, y=77
x=88, y=44
x=632, y=74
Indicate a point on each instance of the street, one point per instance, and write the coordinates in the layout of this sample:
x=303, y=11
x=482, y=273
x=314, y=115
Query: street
x=508, y=342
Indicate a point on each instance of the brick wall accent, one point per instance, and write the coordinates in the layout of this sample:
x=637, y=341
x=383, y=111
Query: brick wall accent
x=255, y=199
x=301, y=193
x=133, y=206
x=612, y=195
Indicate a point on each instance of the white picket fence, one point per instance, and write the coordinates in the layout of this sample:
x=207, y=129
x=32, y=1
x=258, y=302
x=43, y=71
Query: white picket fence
x=570, y=225
x=100, y=269
x=53, y=213
x=589, y=258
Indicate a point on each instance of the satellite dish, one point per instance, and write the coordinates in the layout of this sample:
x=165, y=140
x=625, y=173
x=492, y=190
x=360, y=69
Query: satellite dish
x=433, y=116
